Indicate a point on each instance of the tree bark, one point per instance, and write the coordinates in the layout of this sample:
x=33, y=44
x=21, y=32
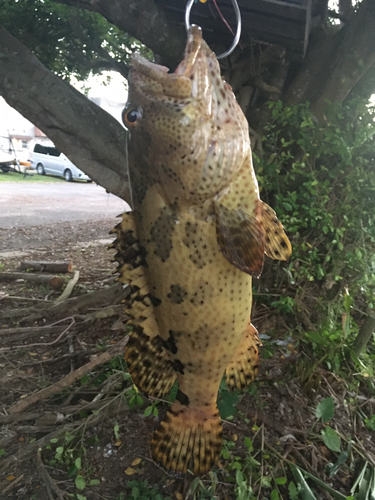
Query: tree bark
x=336, y=64
x=144, y=20
x=88, y=135
x=365, y=334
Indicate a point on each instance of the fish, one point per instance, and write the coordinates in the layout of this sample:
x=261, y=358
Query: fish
x=196, y=236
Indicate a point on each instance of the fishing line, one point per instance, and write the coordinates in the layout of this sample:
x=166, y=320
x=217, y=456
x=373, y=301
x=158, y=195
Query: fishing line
x=238, y=19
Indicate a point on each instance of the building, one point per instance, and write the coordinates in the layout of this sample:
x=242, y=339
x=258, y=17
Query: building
x=19, y=135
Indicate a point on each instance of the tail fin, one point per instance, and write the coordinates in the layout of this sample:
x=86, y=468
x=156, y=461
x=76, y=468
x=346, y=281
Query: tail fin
x=188, y=438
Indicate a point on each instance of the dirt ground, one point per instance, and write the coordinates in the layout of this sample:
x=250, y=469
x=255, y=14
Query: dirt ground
x=91, y=438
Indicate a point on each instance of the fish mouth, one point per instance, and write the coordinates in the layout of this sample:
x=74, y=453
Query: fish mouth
x=155, y=80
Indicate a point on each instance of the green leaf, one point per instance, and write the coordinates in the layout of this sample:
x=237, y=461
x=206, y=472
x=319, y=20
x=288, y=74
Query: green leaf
x=94, y=482
x=80, y=482
x=306, y=493
x=287, y=206
x=226, y=404
x=2, y=452
x=81, y=497
x=280, y=480
x=239, y=477
x=78, y=463
x=249, y=444
x=148, y=411
x=331, y=439
x=316, y=337
x=274, y=495
x=293, y=491
x=325, y=409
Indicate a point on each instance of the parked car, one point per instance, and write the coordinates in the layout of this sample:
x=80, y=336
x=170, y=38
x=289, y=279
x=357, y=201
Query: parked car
x=6, y=161
x=49, y=160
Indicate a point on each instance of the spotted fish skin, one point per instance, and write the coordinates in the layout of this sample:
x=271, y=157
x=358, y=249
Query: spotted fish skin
x=203, y=232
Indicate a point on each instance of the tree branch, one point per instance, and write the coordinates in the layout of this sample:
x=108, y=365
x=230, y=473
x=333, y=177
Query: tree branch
x=88, y=135
x=144, y=20
x=336, y=64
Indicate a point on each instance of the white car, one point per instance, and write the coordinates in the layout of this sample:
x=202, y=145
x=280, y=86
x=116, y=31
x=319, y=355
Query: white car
x=49, y=160
x=6, y=161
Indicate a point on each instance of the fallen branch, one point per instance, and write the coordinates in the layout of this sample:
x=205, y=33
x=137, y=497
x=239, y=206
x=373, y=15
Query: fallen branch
x=48, y=267
x=13, y=484
x=69, y=288
x=19, y=417
x=28, y=331
x=72, y=377
x=48, y=279
x=48, y=480
x=112, y=293
x=42, y=344
x=115, y=293
x=24, y=452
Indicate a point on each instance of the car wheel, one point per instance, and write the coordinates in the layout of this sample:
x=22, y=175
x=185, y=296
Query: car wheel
x=5, y=168
x=68, y=175
x=40, y=169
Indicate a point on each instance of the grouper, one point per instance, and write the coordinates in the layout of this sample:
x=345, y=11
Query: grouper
x=196, y=236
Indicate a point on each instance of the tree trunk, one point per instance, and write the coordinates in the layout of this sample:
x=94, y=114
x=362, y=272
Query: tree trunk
x=336, y=64
x=88, y=135
x=365, y=334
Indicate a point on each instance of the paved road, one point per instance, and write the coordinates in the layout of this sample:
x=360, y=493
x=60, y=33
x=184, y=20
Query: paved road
x=23, y=204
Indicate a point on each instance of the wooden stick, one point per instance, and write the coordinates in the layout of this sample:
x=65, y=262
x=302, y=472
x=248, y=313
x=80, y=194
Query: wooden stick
x=48, y=267
x=48, y=279
x=69, y=288
x=114, y=293
x=29, y=331
x=48, y=480
x=67, y=381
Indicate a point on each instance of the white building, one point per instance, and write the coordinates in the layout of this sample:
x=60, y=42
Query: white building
x=17, y=132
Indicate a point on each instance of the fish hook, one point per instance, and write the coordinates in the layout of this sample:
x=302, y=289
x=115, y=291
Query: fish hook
x=238, y=32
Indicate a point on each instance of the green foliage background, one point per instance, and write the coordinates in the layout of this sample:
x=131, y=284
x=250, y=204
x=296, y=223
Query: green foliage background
x=67, y=40
x=320, y=179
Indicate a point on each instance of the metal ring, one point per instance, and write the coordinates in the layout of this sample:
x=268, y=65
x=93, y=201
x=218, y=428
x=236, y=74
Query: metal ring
x=238, y=32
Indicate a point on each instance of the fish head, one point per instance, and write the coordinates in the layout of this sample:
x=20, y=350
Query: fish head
x=188, y=135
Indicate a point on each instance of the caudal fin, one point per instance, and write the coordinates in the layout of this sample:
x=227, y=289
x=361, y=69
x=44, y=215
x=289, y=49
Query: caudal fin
x=188, y=438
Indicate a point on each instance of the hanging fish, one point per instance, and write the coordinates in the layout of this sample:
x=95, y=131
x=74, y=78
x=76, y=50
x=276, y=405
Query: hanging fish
x=197, y=235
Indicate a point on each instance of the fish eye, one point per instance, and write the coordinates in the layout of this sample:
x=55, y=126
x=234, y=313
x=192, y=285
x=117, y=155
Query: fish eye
x=131, y=116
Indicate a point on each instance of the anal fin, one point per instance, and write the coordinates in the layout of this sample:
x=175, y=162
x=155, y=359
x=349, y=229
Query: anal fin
x=243, y=367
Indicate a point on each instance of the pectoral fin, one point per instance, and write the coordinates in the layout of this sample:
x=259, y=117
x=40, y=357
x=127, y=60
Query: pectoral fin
x=277, y=244
x=240, y=238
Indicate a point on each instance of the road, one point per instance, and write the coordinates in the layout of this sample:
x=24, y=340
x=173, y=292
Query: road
x=23, y=204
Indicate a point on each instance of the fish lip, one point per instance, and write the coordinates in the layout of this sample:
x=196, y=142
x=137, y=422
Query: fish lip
x=156, y=79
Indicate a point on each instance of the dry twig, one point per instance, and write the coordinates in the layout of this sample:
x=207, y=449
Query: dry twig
x=67, y=381
x=48, y=480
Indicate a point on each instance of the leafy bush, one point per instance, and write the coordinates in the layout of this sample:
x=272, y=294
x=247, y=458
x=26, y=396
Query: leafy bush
x=320, y=179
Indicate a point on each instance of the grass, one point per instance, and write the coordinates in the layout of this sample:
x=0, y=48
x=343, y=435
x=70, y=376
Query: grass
x=31, y=177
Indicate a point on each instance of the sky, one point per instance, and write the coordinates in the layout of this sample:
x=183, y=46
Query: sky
x=110, y=85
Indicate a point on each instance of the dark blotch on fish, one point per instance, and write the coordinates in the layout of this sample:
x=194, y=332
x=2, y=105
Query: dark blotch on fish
x=182, y=398
x=177, y=294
